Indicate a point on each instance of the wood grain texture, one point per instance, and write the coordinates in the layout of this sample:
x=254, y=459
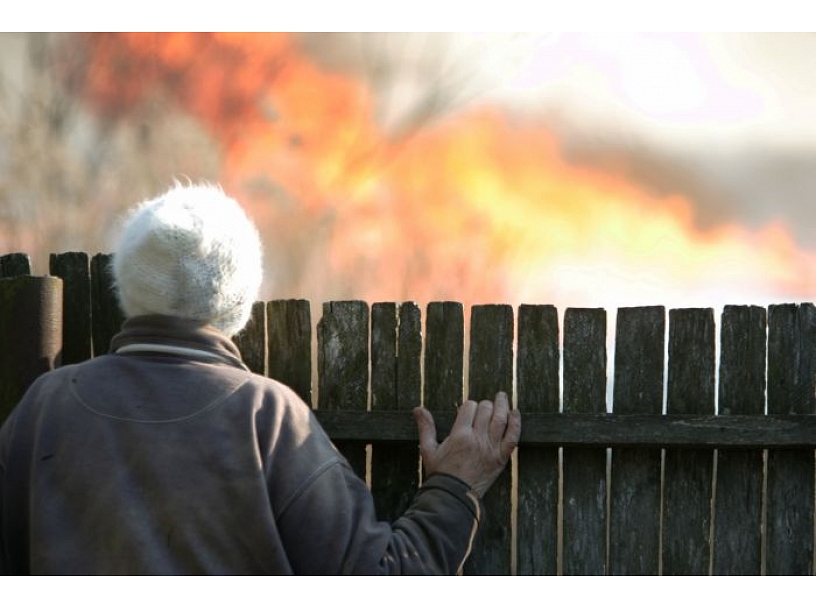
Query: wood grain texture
x=342, y=363
x=790, y=486
x=251, y=340
x=444, y=356
x=106, y=315
x=688, y=472
x=30, y=334
x=584, y=484
x=289, y=353
x=538, y=391
x=635, y=484
x=75, y=271
x=396, y=344
x=491, y=371
x=737, y=540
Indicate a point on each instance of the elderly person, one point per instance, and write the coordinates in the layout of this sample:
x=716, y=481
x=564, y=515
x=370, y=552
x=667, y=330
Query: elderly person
x=168, y=456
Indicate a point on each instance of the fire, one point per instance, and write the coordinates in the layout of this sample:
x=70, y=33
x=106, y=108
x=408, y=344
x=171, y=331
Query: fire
x=474, y=207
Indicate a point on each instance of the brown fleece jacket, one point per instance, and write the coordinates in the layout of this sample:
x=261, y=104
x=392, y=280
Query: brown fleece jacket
x=144, y=462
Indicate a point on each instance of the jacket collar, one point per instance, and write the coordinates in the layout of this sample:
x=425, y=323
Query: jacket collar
x=176, y=336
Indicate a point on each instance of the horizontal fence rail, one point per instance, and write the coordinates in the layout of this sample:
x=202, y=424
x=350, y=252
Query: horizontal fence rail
x=684, y=446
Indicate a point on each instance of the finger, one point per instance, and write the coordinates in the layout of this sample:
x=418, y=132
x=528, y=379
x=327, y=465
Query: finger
x=465, y=415
x=498, y=423
x=484, y=413
x=511, y=434
x=427, y=432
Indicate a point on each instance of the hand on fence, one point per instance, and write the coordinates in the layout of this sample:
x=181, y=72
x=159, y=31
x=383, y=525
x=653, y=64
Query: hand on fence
x=481, y=440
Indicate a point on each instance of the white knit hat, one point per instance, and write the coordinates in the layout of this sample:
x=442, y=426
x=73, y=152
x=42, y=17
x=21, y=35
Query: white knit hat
x=191, y=253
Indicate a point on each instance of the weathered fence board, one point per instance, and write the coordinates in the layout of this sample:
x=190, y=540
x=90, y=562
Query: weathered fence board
x=634, y=530
x=74, y=270
x=584, y=470
x=790, y=491
x=14, y=264
x=289, y=353
x=396, y=385
x=688, y=472
x=538, y=391
x=342, y=364
x=444, y=357
x=737, y=548
x=251, y=340
x=490, y=370
x=30, y=334
x=106, y=316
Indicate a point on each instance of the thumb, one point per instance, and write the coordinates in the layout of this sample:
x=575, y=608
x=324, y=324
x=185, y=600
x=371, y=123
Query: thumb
x=427, y=432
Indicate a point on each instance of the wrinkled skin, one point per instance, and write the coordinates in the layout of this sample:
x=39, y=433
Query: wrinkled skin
x=480, y=443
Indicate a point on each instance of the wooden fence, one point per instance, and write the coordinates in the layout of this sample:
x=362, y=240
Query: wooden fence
x=700, y=460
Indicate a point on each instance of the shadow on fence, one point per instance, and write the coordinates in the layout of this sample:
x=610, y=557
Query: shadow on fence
x=703, y=463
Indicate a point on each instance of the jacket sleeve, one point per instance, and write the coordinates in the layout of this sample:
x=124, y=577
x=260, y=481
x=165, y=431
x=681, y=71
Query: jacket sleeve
x=331, y=528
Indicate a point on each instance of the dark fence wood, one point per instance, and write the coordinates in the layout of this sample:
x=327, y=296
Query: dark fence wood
x=396, y=386
x=584, y=469
x=74, y=270
x=490, y=371
x=538, y=392
x=30, y=334
x=342, y=365
x=738, y=498
x=634, y=517
x=688, y=472
x=791, y=361
x=697, y=457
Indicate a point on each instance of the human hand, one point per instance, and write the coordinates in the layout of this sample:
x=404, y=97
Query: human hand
x=479, y=445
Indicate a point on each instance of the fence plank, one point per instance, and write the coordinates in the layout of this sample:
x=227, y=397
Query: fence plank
x=74, y=270
x=688, y=472
x=538, y=391
x=396, y=345
x=342, y=365
x=738, y=497
x=289, y=332
x=490, y=370
x=251, y=340
x=634, y=530
x=15, y=264
x=30, y=334
x=790, y=486
x=444, y=356
x=106, y=316
x=584, y=469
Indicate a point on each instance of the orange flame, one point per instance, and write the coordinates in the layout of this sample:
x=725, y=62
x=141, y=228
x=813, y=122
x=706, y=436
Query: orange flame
x=473, y=208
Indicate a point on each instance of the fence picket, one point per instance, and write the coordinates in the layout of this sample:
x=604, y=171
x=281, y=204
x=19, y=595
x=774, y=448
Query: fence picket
x=688, y=472
x=289, y=351
x=444, y=356
x=490, y=371
x=634, y=531
x=738, y=498
x=251, y=340
x=396, y=345
x=74, y=270
x=584, y=469
x=342, y=363
x=538, y=391
x=30, y=334
x=106, y=316
x=790, y=486
x=14, y=264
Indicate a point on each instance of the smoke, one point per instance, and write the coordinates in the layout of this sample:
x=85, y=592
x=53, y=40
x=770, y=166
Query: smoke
x=724, y=120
